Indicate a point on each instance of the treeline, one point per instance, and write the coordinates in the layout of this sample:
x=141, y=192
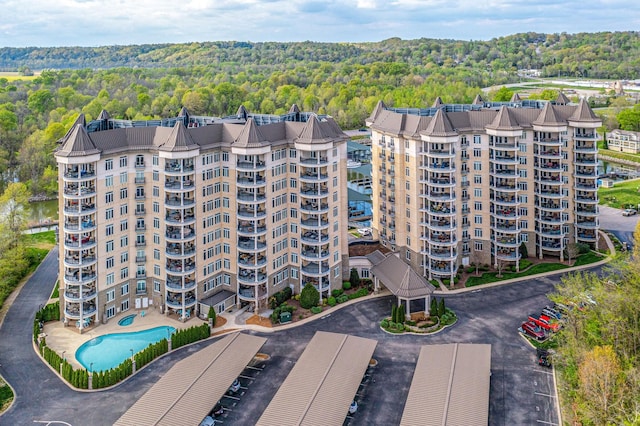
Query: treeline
x=593, y=55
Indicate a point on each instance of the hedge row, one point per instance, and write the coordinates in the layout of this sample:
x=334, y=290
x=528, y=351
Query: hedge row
x=189, y=335
x=151, y=352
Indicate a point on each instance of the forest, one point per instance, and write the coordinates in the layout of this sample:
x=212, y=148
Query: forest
x=344, y=80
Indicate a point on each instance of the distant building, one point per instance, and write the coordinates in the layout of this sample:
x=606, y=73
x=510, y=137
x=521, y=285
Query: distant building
x=187, y=213
x=624, y=141
x=460, y=184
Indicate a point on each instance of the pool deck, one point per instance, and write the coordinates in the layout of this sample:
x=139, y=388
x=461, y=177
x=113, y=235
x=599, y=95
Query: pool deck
x=68, y=339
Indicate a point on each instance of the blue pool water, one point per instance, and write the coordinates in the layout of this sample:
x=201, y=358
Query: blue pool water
x=110, y=350
x=128, y=320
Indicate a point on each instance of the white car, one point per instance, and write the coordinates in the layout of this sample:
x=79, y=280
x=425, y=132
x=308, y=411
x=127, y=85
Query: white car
x=629, y=212
x=235, y=386
x=353, y=407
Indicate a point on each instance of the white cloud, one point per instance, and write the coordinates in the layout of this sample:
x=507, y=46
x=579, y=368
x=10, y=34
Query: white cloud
x=104, y=22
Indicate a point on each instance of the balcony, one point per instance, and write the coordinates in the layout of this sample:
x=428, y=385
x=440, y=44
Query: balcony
x=313, y=191
x=141, y=243
x=503, y=200
x=249, y=277
x=313, y=177
x=252, y=230
x=507, y=242
x=74, y=294
x=252, y=214
x=249, y=182
x=251, y=197
x=75, y=191
x=179, y=233
x=441, y=196
x=317, y=161
x=140, y=211
x=507, y=213
x=141, y=259
x=256, y=165
x=78, y=278
x=74, y=261
x=252, y=261
x=504, y=159
x=316, y=269
x=180, y=267
x=314, y=207
x=78, y=209
x=178, y=202
x=177, y=218
x=554, y=232
x=508, y=255
x=587, y=224
x=178, y=185
x=505, y=227
x=585, y=160
x=177, y=167
x=551, y=153
x=443, y=254
x=85, y=242
x=589, y=172
x=548, y=141
x=177, y=285
x=247, y=245
x=312, y=237
x=444, y=166
x=551, y=218
x=551, y=245
x=586, y=148
x=314, y=255
x=314, y=223
x=176, y=302
x=72, y=310
x=139, y=179
x=76, y=174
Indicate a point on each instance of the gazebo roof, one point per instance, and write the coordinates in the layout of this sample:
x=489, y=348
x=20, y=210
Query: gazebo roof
x=401, y=279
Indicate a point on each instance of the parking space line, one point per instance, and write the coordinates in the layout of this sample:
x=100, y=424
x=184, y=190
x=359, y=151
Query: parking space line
x=231, y=397
x=247, y=377
x=547, y=423
x=544, y=394
x=254, y=368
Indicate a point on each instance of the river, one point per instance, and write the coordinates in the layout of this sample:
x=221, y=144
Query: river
x=43, y=212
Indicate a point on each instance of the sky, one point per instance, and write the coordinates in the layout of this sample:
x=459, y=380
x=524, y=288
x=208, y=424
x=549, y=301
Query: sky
x=121, y=22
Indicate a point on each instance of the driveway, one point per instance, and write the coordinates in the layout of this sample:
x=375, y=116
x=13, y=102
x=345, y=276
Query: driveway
x=521, y=392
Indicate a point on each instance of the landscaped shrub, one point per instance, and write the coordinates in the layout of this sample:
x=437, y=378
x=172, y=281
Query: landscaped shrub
x=448, y=317
x=316, y=309
x=275, y=315
x=433, y=310
x=346, y=285
x=523, y=250
x=336, y=292
x=384, y=323
x=212, y=315
x=280, y=297
x=309, y=296
x=332, y=301
x=583, y=248
x=400, y=327
x=354, y=278
x=441, y=307
x=148, y=354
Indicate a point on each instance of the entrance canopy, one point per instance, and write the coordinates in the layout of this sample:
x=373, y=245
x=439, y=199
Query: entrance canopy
x=450, y=386
x=323, y=383
x=190, y=389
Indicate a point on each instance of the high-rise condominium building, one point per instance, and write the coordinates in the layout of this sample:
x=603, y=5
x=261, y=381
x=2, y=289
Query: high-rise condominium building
x=481, y=183
x=186, y=213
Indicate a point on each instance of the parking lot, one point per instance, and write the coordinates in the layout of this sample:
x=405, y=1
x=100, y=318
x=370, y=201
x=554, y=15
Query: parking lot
x=521, y=391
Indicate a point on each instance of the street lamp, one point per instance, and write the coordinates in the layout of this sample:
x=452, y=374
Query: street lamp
x=63, y=357
x=131, y=353
x=91, y=367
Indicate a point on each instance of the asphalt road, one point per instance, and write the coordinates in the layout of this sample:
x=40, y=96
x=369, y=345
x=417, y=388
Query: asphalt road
x=621, y=226
x=521, y=392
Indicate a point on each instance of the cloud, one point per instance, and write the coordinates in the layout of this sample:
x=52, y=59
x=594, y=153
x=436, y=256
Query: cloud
x=105, y=22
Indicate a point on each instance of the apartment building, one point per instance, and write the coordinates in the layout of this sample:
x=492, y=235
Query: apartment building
x=460, y=184
x=624, y=141
x=189, y=212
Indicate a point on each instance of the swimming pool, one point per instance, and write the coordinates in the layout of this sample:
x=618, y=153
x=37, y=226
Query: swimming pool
x=128, y=320
x=110, y=350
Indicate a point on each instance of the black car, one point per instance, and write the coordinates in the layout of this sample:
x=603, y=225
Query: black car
x=544, y=357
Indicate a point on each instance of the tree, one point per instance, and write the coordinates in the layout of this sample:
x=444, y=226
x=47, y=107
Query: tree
x=523, y=250
x=212, y=315
x=354, y=278
x=13, y=205
x=309, y=296
x=40, y=101
x=629, y=119
x=503, y=94
x=573, y=250
x=600, y=378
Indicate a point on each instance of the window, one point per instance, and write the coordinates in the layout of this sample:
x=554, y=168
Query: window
x=141, y=287
x=477, y=165
x=111, y=295
x=477, y=152
x=108, y=164
x=123, y=177
x=522, y=147
x=524, y=237
x=124, y=209
x=124, y=273
x=408, y=255
x=110, y=262
x=477, y=192
x=477, y=139
x=407, y=171
x=477, y=219
x=124, y=306
x=108, y=197
x=156, y=176
x=124, y=289
x=108, y=181
x=407, y=185
x=524, y=224
x=477, y=205
x=124, y=257
x=123, y=193
x=109, y=246
x=124, y=241
x=108, y=213
x=156, y=191
x=109, y=230
x=364, y=273
x=110, y=278
x=123, y=161
x=477, y=246
x=477, y=232
x=477, y=179
x=124, y=225
x=156, y=286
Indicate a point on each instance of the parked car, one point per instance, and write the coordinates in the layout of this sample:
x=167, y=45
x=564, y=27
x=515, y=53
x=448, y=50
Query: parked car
x=531, y=329
x=544, y=357
x=353, y=407
x=235, y=386
x=544, y=322
x=629, y=212
x=208, y=421
x=217, y=410
x=550, y=312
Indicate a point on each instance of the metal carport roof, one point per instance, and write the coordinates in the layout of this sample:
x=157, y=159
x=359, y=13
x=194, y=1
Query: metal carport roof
x=323, y=383
x=190, y=389
x=450, y=386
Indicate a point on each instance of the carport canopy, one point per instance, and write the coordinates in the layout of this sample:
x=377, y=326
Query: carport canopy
x=401, y=280
x=323, y=383
x=450, y=386
x=190, y=389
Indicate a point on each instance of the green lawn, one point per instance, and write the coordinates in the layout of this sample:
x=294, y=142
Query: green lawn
x=46, y=238
x=491, y=277
x=623, y=194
